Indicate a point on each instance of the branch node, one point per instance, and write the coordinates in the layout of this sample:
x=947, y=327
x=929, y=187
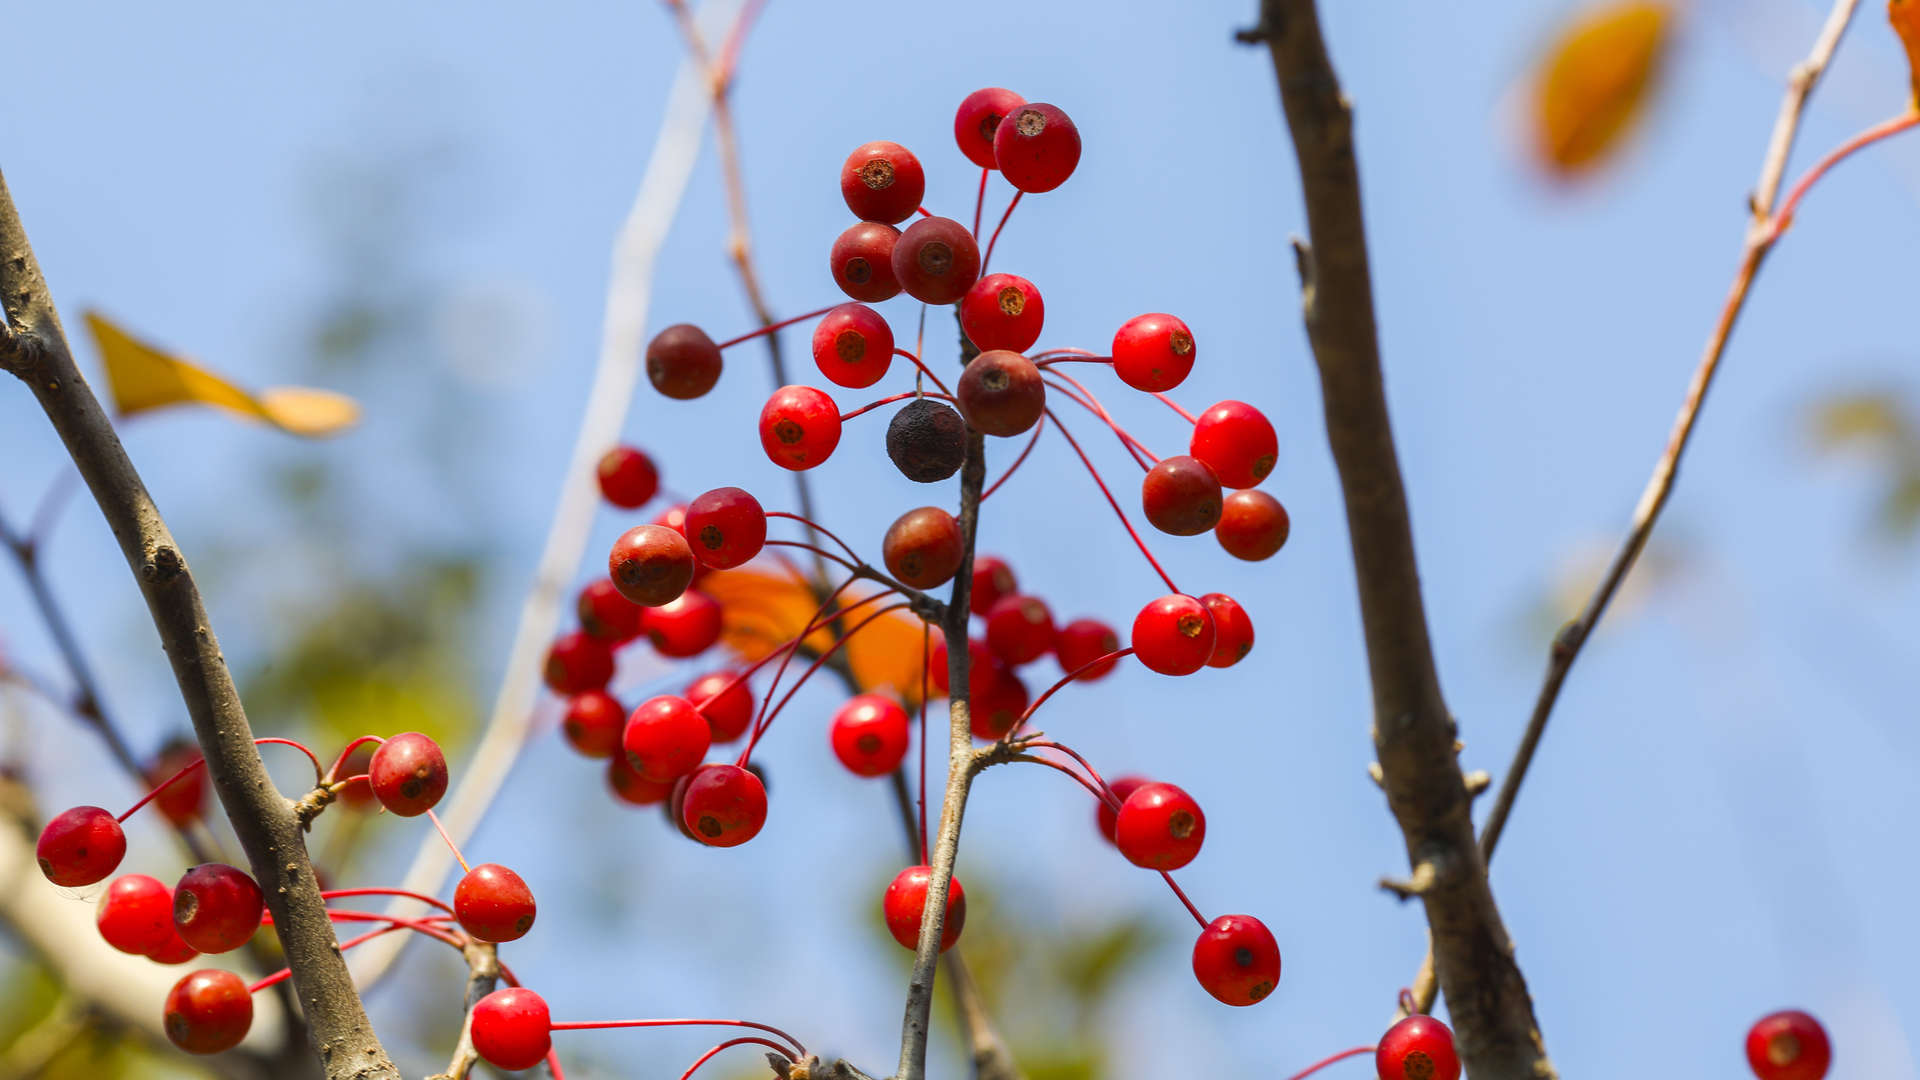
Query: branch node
x=1478, y=781
x=162, y=565
x=1377, y=775
x=1419, y=884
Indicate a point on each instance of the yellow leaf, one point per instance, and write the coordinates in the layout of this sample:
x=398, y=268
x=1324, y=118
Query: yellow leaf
x=1905, y=17
x=1593, y=84
x=762, y=611
x=142, y=377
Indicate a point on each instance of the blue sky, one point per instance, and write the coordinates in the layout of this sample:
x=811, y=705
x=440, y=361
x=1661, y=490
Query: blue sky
x=1715, y=827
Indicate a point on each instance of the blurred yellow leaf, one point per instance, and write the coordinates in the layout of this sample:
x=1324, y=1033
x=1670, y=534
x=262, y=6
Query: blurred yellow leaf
x=1905, y=17
x=1594, y=81
x=1870, y=418
x=142, y=377
x=764, y=610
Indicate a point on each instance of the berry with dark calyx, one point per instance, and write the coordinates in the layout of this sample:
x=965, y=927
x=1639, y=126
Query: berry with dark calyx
x=981, y=665
x=593, y=723
x=724, y=805
x=1153, y=352
x=1789, y=1045
x=853, y=346
x=1417, y=1048
x=665, y=738
x=630, y=787
x=1107, y=817
x=686, y=627
x=628, y=478
x=1000, y=393
x=882, y=181
x=799, y=427
x=183, y=800
x=606, y=614
x=1002, y=311
x=136, y=914
x=1232, y=630
x=1159, y=827
x=725, y=701
x=927, y=441
x=217, y=907
x=992, y=579
x=1036, y=147
x=683, y=362
x=1083, y=641
x=869, y=734
x=408, y=774
x=174, y=950
x=906, y=902
x=923, y=547
x=578, y=662
x=1181, y=496
x=1236, y=441
x=208, y=1011
x=1020, y=629
x=725, y=527
x=978, y=118
x=862, y=262
x=512, y=1029
x=1253, y=525
x=1173, y=635
x=493, y=904
x=936, y=260
x=996, y=709
x=80, y=846
x=1238, y=962
x=651, y=565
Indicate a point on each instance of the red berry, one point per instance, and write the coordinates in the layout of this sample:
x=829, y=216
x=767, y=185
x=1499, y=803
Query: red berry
x=1083, y=641
x=408, y=774
x=1160, y=827
x=724, y=805
x=1173, y=635
x=1417, y=1048
x=136, y=914
x=606, y=614
x=906, y=902
x=665, y=738
x=493, y=903
x=578, y=662
x=630, y=787
x=1153, y=352
x=208, y=1011
x=869, y=735
x=359, y=794
x=799, y=427
x=512, y=1029
x=1181, y=496
x=1000, y=393
x=1238, y=962
x=936, y=260
x=978, y=118
x=981, y=666
x=1236, y=442
x=1020, y=629
x=1789, y=1045
x=992, y=579
x=1107, y=817
x=923, y=548
x=1002, y=311
x=686, y=627
x=1253, y=525
x=81, y=846
x=853, y=346
x=1232, y=630
x=217, y=907
x=683, y=362
x=882, y=181
x=627, y=477
x=725, y=701
x=862, y=262
x=725, y=527
x=184, y=799
x=651, y=564
x=593, y=723
x=997, y=708
x=1036, y=147
x=174, y=950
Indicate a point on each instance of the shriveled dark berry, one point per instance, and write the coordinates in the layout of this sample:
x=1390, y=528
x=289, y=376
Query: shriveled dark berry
x=927, y=441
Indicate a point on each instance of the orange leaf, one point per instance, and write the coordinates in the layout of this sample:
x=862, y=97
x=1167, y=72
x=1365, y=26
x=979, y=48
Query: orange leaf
x=1905, y=17
x=1594, y=82
x=763, y=611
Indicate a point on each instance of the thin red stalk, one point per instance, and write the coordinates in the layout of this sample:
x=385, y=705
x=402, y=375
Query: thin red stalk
x=926, y=661
x=1099, y=409
x=553, y=1064
x=787, y=648
x=1069, y=677
x=451, y=846
x=1783, y=218
x=819, y=528
x=890, y=399
x=1182, y=894
x=923, y=211
x=1017, y=462
x=286, y=973
x=1103, y=796
x=1111, y=501
x=1141, y=456
x=816, y=549
x=729, y=56
x=1169, y=403
x=1087, y=359
x=201, y=762
x=344, y=753
x=1323, y=1063
x=744, y=1041
x=771, y=327
x=1049, y=744
x=788, y=651
x=980, y=201
x=987, y=259
x=767, y=721
x=602, y=1025
x=339, y=894
x=925, y=370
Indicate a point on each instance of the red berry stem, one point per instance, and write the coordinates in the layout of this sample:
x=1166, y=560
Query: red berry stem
x=341, y=894
x=1069, y=356
x=1051, y=690
x=924, y=369
x=1092, y=404
x=768, y=716
x=727, y=59
x=347, y=752
x=787, y=651
x=744, y=1040
x=1182, y=894
x=816, y=549
x=286, y=973
x=201, y=762
x=980, y=201
x=1011, y=469
x=794, y=1049
x=553, y=1065
x=822, y=530
x=1105, y=792
x=844, y=417
x=923, y=211
x=1169, y=403
x=1324, y=1062
x=451, y=846
x=1103, y=796
x=1095, y=473
x=926, y=662
x=1783, y=218
x=995, y=238
x=771, y=327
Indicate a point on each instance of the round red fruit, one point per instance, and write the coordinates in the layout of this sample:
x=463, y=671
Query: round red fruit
x=1238, y=962
x=630, y=787
x=665, y=738
x=725, y=527
x=1020, y=629
x=1232, y=630
x=80, y=846
x=1789, y=1045
x=853, y=346
x=493, y=904
x=1108, y=816
x=651, y=565
x=992, y=579
x=978, y=118
x=724, y=805
x=217, y=907
x=606, y=614
x=862, y=262
x=408, y=774
x=174, y=950
x=1173, y=635
x=936, y=260
x=922, y=547
x=1036, y=147
x=1001, y=393
x=578, y=662
x=997, y=709
x=882, y=181
x=726, y=701
x=593, y=723
x=1181, y=497
x=981, y=667
x=869, y=735
x=906, y=902
x=136, y=914
x=182, y=801
x=1160, y=827
x=1153, y=352
x=1417, y=1048
x=1236, y=442
x=1083, y=641
x=1253, y=525
x=208, y=1011
x=799, y=427
x=686, y=627
x=1002, y=311
x=683, y=362
x=627, y=477
x=512, y=1029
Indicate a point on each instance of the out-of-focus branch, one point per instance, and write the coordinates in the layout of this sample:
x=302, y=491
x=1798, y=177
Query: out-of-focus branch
x=483, y=973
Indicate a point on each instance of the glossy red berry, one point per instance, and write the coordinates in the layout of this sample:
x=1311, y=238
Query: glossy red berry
x=1020, y=629
x=1036, y=147
x=1083, y=641
x=1153, y=352
x=493, y=903
x=1253, y=525
x=862, y=262
x=978, y=118
x=630, y=787
x=936, y=260
x=927, y=441
x=922, y=547
x=853, y=346
x=185, y=799
x=906, y=902
x=665, y=738
x=799, y=427
x=217, y=907
x=1106, y=817
x=208, y=1011
x=996, y=709
x=683, y=362
x=981, y=666
x=686, y=627
x=512, y=1029
x=992, y=579
x=1002, y=311
x=593, y=723
x=651, y=565
x=1173, y=635
x=1000, y=393
x=1232, y=630
x=724, y=805
x=605, y=614
x=1160, y=827
x=1237, y=443
x=725, y=527
x=174, y=950
x=578, y=662
x=1181, y=496
x=1417, y=1048
x=1789, y=1045
x=136, y=914
x=882, y=181
x=725, y=701
x=1238, y=962
x=408, y=774
x=869, y=735
x=628, y=478
x=80, y=846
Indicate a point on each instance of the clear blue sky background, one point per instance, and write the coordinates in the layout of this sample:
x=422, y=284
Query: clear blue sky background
x=1718, y=825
